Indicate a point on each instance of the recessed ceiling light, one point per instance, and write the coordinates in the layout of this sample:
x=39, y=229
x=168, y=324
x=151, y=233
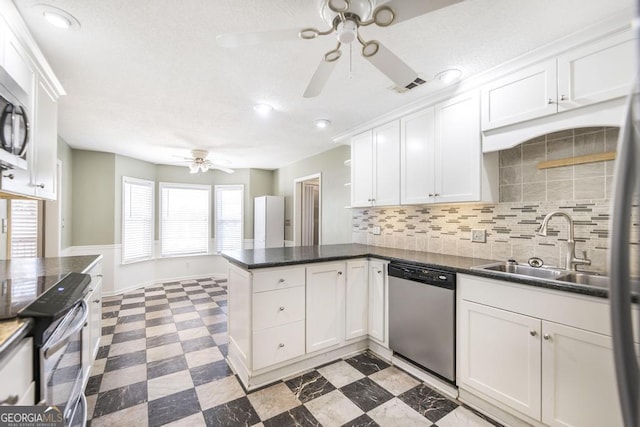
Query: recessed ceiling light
x=449, y=76
x=58, y=17
x=322, y=123
x=262, y=109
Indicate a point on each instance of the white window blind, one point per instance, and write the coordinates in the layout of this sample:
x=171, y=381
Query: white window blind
x=24, y=228
x=229, y=217
x=184, y=219
x=137, y=219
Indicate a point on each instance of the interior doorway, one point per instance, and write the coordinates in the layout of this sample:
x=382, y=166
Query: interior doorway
x=307, y=197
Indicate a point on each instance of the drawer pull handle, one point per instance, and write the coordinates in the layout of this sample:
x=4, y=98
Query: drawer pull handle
x=533, y=333
x=281, y=345
x=97, y=301
x=98, y=275
x=281, y=308
x=281, y=281
x=379, y=271
x=11, y=400
x=547, y=337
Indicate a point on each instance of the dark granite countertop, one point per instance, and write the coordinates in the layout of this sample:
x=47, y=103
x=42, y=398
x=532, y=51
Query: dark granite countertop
x=46, y=271
x=277, y=257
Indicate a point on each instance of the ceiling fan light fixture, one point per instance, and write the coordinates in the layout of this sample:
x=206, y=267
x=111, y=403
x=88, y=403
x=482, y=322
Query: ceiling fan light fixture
x=193, y=167
x=322, y=123
x=347, y=31
x=449, y=76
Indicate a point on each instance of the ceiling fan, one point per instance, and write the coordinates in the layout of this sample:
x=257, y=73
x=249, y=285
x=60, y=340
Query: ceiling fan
x=345, y=17
x=198, y=162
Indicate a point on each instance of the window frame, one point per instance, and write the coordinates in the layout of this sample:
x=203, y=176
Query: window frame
x=147, y=183
x=177, y=185
x=215, y=211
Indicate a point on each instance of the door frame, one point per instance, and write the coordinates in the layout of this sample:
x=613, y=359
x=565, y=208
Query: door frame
x=297, y=207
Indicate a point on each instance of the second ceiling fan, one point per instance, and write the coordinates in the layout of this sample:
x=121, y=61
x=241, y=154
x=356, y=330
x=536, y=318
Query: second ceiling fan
x=345, y=18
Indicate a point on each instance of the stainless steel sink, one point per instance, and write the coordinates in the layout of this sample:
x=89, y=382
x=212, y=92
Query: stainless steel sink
x=524, y=270
x=588, y=279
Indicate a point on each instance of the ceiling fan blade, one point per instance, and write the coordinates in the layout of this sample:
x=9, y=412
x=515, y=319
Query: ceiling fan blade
x=319, y=78
x=231, y=40
x=221, y=168
x=407, y=9
x=392, y=66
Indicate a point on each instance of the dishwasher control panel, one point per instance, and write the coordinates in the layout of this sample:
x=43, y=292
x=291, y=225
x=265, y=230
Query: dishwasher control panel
x=423, y=274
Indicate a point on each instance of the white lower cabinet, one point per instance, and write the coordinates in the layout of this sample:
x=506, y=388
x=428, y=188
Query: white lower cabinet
x=92, y=332
x=16, y=375
x=560, y=374
x=356, y=299
x=377, y=300
x=325, y=305
x=275, y=345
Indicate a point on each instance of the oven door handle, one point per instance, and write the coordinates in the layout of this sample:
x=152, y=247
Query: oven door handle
x=54, y=343
x=82, y=403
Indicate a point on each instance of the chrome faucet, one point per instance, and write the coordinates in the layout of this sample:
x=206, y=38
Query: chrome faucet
x=571, y=261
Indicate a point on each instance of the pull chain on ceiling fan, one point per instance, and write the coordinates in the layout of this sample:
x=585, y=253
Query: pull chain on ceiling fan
x=345, y=18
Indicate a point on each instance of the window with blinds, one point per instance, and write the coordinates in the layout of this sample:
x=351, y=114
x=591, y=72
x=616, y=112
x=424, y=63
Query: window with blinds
x=24, y=228
x=137, y=219
x=229, y=217
x=184, y=219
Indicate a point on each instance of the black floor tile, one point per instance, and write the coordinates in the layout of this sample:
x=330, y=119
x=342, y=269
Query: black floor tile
x=173, y=407
x=110, y=314
x=224, y=349
x=172, y=291
x=428, y=402
x=162, y=339
x=108, y=330
x=155, y=297
x=210, y=312
x=210, y=372
x=120, y=398
x=130, y=319
x=103, y=352
x=362, y=421
x=111, y=303
x=189, y=324
x=217, y=328
x=131, y=306
x=238, y=412
x=366, y=394
x=178, y=298
x=159, y=321
x=129, y=336
x=298, y=416
x=158, y=307
x=163, y=367
x=182, y=310
x=222, y=303
x=309, y=386
x=367, y=363
x=204, y=300
x=93, y=385
x=126, y=360
x=217, y=293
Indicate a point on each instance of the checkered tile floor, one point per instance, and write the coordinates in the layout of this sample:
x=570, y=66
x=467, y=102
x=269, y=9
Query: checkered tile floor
x=162, y=361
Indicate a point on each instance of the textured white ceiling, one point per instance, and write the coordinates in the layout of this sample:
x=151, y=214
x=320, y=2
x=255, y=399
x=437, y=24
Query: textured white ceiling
x=146, y=79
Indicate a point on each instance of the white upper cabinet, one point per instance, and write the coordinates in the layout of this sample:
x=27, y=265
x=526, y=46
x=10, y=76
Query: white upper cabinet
x=15, y=61
x=586, y=75
x=375, y=167
x=441, y=153
x=45, y=143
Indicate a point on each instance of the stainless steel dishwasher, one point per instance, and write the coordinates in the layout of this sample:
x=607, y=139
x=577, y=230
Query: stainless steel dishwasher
x=422, y=317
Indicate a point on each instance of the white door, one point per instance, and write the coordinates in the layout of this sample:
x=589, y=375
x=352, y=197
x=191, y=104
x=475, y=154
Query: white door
x=377, y=298
x=45, y=142
x=520, y=96
x=417, y=151
x=500, y=356
x=356, y=299
x=387, y=165
x=578, y=378
x=325, y=305
x=458, y=156
x=581, y=71
x=362, y=169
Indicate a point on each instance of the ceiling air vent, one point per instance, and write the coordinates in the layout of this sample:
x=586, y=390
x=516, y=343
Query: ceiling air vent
x=414, y=84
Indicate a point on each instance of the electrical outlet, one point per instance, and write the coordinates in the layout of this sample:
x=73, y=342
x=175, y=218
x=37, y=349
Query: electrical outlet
x=376, y=230
x=479, y=235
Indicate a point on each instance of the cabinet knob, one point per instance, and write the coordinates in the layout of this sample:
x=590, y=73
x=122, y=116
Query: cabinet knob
x=37, y=185
x=339, y=273
x=98, y=275
x=9, y=175
x=97, y=301
x=550, y=101
x=10, y=400
x=281, y=308
x=533, y=333
x=379, y=271
x=280, y=280
x=436, y=195
x=431, y=194
x=547, y=337
x=563, y=98
x=281, y=345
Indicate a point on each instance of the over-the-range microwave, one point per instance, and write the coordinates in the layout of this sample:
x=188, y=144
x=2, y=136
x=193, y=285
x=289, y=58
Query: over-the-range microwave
x=14, y=123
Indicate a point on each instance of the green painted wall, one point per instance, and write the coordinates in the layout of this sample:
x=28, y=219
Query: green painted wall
x=65, y=155
x=336, y=220
x=93, y=175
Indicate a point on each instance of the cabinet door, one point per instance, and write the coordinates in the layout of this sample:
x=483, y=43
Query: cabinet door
x=387, y=165
x=500, y=356
x=356, y=299
x=95, y=315
x=17, y=64
x=578, y=378
x=417, y=151
x=377, y=298
x=458, y=156
x=44, y=139
x=325, y=305
x=362, y=169
x=596, y=72
x=520, y=96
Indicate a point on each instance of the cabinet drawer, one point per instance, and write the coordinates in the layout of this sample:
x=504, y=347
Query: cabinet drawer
x=276, y=308
x=275, y=345
x=281, y=278
x=16, y=373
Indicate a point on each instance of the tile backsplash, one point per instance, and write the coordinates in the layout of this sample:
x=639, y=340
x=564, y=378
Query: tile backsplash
x=526, y=196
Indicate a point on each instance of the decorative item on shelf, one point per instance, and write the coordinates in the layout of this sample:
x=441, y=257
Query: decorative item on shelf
x=578, y=160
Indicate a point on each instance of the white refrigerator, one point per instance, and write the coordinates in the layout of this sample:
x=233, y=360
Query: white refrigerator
x=268, y=222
